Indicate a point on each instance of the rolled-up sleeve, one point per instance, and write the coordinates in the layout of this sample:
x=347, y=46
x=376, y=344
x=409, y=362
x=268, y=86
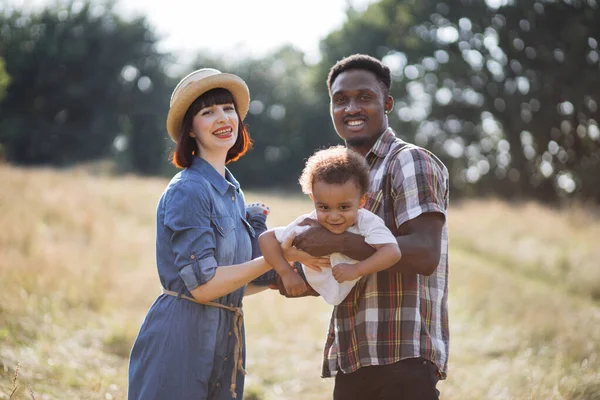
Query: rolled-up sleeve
x=420, y=183
x=187, y=215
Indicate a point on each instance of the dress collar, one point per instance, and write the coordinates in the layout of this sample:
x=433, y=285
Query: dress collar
x=202, y=166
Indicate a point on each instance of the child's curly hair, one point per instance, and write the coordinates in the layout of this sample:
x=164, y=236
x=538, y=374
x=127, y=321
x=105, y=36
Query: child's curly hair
x=335, y=165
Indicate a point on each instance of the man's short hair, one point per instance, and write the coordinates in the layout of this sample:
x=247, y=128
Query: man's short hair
x=363, y=62
x=335, y=165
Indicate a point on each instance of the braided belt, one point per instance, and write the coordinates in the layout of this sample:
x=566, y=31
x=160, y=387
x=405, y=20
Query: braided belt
x=238, y=324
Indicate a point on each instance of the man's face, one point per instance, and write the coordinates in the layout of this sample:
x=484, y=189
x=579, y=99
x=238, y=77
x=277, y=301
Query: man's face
x=358, y=107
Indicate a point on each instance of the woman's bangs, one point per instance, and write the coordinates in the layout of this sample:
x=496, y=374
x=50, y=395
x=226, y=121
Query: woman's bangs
x=215, y=97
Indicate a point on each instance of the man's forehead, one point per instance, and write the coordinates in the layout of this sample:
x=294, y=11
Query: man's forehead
x=355, y=80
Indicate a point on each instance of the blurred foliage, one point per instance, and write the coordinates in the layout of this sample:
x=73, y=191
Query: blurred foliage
x=285, y=121
x=504, y=92
x=81, y=77
x=4, y=79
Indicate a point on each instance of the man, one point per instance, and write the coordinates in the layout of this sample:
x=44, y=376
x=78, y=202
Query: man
x=389, y=338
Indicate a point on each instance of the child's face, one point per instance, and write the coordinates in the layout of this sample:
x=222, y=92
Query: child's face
x=337, y=205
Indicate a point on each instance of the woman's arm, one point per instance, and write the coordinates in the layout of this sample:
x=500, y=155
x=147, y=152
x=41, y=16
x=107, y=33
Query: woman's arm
x=229, y=278
x=251, y=289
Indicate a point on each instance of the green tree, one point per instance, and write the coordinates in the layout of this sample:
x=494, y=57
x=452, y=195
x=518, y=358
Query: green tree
x=285, y=121
x=506, y=96
x=78, y=72
x=4, y=79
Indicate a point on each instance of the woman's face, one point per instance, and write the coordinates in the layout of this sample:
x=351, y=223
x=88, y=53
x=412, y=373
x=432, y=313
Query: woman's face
x=215, y=129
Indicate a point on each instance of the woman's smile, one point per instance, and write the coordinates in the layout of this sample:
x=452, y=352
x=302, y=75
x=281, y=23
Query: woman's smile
x=224, y=132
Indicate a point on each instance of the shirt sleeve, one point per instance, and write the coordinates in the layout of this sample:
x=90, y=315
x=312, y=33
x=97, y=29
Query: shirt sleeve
x=187, y=215
x=419, y=184
x=373, y=229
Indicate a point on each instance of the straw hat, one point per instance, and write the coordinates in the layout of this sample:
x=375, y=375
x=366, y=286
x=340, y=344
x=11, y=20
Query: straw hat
x=197, y=83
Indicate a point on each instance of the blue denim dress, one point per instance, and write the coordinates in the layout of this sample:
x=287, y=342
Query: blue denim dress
x=185, y=350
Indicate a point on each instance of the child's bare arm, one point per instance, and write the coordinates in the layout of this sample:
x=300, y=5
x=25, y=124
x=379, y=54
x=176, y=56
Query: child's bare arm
x=273, y=254
x=271, y=250
x=386, y=255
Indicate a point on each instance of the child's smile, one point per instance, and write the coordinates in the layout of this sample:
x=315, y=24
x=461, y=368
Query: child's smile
x=337, y=205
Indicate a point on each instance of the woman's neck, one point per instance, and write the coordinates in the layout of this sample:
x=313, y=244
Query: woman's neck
x=217, y=161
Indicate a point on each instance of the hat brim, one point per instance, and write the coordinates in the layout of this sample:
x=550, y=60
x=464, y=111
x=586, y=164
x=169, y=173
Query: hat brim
x=234, y=84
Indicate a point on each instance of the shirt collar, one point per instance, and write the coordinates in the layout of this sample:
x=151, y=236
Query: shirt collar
x=201, y=166
x=383, y=143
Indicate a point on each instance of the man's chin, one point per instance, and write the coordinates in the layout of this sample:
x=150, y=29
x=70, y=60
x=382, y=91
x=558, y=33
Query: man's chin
x=357, y=141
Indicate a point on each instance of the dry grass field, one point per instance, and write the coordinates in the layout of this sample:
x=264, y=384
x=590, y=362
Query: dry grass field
x=77, y=275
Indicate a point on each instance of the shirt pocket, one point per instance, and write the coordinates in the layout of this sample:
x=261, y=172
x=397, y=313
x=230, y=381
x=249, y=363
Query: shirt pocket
x=225, y=239
x=223, y=225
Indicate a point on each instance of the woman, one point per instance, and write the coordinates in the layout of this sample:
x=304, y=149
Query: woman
x=185, y=349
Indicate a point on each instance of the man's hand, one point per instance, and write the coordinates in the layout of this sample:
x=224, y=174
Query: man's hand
x=317, y=241
x=281, y=287
x=345, y=272
x=292, y=254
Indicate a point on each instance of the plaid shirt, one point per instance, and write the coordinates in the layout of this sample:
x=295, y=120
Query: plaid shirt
x=389, y=316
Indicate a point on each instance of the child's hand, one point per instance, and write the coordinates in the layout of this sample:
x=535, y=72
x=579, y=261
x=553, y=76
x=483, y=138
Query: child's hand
x=314, y=263
x=292, y=254
x=294, y=284
x=344, y=272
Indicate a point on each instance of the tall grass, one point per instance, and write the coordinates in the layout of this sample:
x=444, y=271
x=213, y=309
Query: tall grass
x=557, y=247
x=77, y=275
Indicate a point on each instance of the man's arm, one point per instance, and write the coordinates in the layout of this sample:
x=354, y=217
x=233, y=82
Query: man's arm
x=419, y=242
x=318, y=241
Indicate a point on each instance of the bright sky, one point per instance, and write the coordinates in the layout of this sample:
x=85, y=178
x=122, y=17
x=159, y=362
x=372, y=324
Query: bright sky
x=236, y=27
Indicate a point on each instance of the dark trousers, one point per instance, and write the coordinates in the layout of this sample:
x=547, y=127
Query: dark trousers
x=411, y=379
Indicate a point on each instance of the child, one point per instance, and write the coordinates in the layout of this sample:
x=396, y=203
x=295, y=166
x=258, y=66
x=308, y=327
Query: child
x=336, y=179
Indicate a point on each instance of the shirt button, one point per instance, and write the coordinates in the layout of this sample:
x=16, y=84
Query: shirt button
x=229, y=333
x=232, y=198
x=230, y=304
x=218, y=384
x=225, y=359
x=192, y=256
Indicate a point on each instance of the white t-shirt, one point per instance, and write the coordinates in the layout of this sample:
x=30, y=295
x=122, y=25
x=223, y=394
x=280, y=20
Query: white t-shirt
x=368, y=225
